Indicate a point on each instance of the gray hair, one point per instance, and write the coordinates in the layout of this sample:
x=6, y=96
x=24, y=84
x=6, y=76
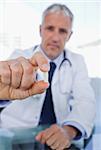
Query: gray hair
x=54, y=8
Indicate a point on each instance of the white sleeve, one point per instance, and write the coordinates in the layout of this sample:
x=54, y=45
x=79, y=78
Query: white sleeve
x=83, y=104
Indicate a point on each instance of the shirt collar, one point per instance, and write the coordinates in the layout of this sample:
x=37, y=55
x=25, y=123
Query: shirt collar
x=57, y=61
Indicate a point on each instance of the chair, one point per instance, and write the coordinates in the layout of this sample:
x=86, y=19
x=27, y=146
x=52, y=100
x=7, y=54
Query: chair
x=94, y=142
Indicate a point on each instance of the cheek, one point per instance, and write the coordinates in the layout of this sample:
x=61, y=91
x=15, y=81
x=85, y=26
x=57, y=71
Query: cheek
x=45, y=37
x=63, y=41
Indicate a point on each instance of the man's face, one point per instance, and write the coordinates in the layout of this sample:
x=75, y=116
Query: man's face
x=55, y=32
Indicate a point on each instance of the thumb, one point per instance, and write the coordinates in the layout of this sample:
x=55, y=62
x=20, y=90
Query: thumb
x=38, y=88
x=39, y=60
x=39, y=136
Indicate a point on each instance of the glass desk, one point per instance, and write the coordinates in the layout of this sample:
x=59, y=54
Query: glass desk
x=23, y=139
x=10, y=137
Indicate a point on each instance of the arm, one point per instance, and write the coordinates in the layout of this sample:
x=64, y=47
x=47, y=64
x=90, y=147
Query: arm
x=83, y=104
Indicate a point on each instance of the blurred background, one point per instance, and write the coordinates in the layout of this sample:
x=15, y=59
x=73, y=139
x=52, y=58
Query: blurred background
x=19, y=29
x=20, y=20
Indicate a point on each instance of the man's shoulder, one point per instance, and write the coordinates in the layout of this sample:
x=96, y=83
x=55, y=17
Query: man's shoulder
x=27, y=53
x=73, y=56
x=77, y=60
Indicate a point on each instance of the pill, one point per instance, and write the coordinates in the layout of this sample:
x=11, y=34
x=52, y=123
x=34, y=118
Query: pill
x=42, y=75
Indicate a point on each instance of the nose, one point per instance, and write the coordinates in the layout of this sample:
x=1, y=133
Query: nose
x=56, y=37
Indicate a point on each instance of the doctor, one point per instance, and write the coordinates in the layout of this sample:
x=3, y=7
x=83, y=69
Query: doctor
x=72, y=99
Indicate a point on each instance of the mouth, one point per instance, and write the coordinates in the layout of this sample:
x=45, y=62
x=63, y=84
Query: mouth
x=53, y=46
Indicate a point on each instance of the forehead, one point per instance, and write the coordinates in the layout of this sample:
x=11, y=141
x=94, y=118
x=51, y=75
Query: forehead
x=57, y=19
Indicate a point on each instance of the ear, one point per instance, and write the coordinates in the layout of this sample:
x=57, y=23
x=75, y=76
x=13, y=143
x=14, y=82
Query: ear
x=69, y=36
x=40, y=29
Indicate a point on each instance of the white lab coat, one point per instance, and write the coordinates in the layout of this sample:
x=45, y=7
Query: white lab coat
x=78, y=96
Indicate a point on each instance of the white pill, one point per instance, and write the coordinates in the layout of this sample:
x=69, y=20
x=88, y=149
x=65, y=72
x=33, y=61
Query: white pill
x=45, y=76
x=42, y=75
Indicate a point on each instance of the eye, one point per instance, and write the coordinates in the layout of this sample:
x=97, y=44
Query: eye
x=63, y=31
x=50, y=28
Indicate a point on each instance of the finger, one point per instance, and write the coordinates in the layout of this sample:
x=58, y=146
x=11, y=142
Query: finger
x=39, y=137
x=39, y=60
x=5, y=73
x=58, y=140
x=52, y=142
x=63, y=146
x=55, y=128
x=63, y=142
x=55, y=145
x=17, y=71
x=55, y=140
x=47, y=134
x=4, y=91
x=27, y=77
x=37, y=88
x=43, y=140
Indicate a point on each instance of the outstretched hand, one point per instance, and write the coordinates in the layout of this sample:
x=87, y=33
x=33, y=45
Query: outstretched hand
x=17, y=77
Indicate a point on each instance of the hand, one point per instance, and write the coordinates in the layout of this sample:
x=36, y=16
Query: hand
x=17, y=77
x=57, y=137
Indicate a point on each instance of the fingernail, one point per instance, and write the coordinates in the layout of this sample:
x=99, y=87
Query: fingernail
x=46, y=85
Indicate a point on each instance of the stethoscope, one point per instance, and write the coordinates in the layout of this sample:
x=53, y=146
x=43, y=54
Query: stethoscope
x=63, y=67
x=64, y=57
x=65, y=78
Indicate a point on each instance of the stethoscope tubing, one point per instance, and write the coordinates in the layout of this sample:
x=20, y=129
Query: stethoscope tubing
x=64, y=57
x=69, y=64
